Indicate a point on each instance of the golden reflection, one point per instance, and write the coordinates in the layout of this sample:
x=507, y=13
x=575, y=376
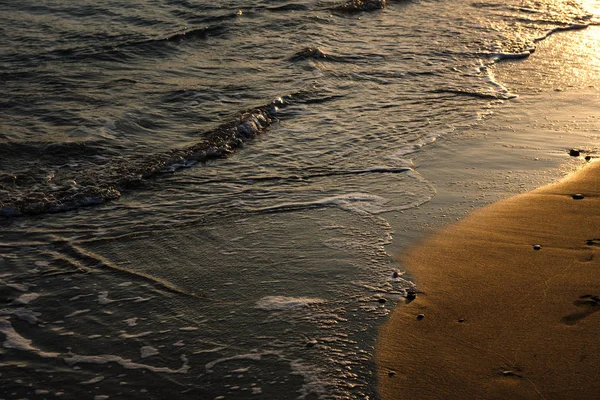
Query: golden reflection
x=591, y=6
x=563, y=61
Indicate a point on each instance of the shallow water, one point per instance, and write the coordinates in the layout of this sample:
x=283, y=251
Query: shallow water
x=202, y=250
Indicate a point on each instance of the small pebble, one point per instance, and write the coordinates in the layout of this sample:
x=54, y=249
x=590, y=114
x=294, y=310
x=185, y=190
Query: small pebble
x=574, y=153
x=391, y=373
x=312, y=343
x=395, y=274
x=577, y=196
x=537, y=247
x=588, y=158
x=461, y=320
x=420, y=317
x=381, y=300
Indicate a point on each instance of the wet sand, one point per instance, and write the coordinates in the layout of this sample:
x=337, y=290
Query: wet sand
x=508, y=303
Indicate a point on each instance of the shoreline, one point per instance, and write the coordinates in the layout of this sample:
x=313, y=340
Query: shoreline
x=500, y=318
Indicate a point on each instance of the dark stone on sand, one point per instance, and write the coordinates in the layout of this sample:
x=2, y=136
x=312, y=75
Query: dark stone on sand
x=537, y=247
x=588, y=158
x=577, y=196
x=411, y=293
x=381, y=300
x=461, y=320
x=391, y=373
x=312, y=343
x=574, y=153
x=395, y=274
x=420, y=317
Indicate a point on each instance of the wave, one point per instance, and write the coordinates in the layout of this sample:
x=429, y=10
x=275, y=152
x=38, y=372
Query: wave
x=288, y=7
x=356, y=6
x=306, y=53
x=316, y=53
x=144, y=47
x=66, y=189
x=570, y=27
x=474, y=93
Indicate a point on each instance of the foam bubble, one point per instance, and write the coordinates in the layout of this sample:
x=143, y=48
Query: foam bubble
x=93, y=380
x=128, y=364
x=21, y=287
x=189, y=328
x=15, y=341
x=103, y=298
x=136, y=335
x=78, y=312
x=250, y=356
x=313, y=384
x=42, y=263
x=280, y=303
x=214, y=350
x=25, y=299
x=148, y=351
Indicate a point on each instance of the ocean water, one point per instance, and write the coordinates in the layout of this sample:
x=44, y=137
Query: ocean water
x=194, y=195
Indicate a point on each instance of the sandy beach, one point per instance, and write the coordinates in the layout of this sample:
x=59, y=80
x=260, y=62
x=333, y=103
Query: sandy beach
x=506, y=305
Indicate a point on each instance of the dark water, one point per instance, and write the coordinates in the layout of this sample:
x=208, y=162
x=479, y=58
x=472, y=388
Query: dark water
x=194, y=194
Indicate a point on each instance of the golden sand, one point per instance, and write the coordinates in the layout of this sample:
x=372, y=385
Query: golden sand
x=500, y=319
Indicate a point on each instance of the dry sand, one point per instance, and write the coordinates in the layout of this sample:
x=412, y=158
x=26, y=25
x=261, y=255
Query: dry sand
x=502, y=320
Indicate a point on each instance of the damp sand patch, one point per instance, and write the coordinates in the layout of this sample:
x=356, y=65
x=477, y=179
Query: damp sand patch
x=507, y=304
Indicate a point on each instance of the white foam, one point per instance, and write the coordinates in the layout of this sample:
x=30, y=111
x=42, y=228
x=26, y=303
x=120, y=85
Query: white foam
x=189, y=328
x=136, y=335
x=42, y=263
x=281, y=303
x=78, y=312
x=21, y=287
x=214, y=350
x=25, y=299
x=250, y=356
x=15, y=341
x=128, y=364
x=103, y=298
x=93, y=380
x=80, y=296
x=141, y=299
x=148, y=351
x=313, y=384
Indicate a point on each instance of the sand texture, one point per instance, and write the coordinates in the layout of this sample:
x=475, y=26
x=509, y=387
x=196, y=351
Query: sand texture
x=500, y=319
